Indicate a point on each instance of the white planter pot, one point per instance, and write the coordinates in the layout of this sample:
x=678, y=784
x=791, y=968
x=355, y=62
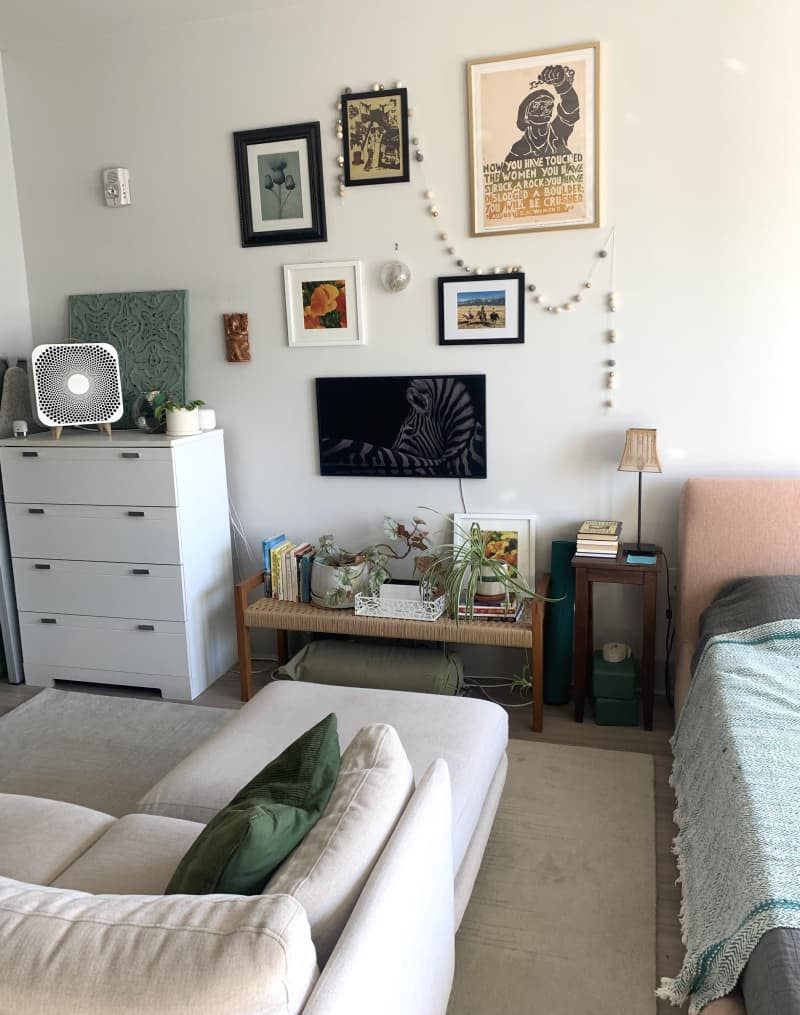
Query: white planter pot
x=489, y=584
x=182, y=422
x=330, y=586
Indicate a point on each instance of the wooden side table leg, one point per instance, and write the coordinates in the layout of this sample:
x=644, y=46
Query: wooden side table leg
x=649, y=592
x=243, y=643
x=282, y=638
x=537, y=665
x=579, y=651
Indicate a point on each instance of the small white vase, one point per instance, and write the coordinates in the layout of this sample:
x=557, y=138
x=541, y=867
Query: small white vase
x=182, y=422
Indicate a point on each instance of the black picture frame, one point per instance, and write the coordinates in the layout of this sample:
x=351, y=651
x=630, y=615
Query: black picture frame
x=482, y=309
x=400, y=426
x=287, y=160
x=375, y=129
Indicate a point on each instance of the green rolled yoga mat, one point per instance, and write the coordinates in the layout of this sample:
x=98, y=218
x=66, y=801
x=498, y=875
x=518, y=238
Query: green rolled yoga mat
x=558, y=624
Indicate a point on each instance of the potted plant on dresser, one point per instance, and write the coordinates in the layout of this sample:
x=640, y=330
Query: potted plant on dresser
x=182, y=419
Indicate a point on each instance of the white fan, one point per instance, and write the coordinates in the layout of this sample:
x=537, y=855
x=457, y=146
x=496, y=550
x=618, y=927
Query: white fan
x=77, y=383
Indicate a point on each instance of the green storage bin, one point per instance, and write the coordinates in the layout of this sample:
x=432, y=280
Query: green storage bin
x=616, y=712
x=613, y=680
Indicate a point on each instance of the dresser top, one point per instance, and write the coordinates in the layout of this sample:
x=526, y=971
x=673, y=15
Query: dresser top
x=76, y=437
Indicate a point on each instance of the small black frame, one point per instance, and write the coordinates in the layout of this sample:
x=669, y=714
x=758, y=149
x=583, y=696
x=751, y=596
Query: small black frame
x=375, y=128
x=265, y=157
x=482, y=309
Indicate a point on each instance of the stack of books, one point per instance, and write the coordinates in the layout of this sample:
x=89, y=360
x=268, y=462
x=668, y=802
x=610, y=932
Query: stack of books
x=598, y=539
x=287, y=569
x=491, y=608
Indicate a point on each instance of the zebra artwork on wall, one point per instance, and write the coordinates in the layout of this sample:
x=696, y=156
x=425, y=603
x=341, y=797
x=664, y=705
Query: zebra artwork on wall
x=432, y=425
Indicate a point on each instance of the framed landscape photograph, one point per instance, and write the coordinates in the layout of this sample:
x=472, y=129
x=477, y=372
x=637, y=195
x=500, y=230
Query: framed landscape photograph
x=481, y=309
x=324, y=305
x=375, y=126
x=279, y=180
x=533, y=131
x=421, y=426
x=507, y=537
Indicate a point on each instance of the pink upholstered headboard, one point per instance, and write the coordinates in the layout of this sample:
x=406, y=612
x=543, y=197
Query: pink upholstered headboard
x=729, y=528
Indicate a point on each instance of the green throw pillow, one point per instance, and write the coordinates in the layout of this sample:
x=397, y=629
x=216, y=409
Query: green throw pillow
x=241, y=846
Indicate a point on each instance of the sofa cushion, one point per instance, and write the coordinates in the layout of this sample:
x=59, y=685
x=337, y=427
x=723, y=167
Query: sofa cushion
x=79, y=954
x=329, y=868
x=243, y=844
x=39, y=838
x=470, y=734
x=136, y=856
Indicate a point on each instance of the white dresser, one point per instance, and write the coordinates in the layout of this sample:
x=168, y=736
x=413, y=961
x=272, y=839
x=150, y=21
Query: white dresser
x=122, y=558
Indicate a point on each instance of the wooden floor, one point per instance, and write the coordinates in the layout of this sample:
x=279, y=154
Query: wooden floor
x=560, y=728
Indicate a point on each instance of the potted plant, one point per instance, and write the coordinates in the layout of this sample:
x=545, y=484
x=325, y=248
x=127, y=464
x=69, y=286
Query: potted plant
x=182, y=419
x=464, y=569
x=337, y=574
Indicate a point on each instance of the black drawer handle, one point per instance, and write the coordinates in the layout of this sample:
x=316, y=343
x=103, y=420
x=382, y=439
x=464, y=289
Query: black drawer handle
x=136, y=514
x=147, y=627
x=48, y=620
x=30, y=454
x=35, y=511
x=140, y=570
x=42, y=567
x=130, y=454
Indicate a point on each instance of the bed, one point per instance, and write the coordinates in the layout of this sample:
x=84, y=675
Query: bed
x=737, y=703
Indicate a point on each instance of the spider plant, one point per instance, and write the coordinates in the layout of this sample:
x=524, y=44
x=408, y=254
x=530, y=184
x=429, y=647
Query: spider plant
x=456, y=568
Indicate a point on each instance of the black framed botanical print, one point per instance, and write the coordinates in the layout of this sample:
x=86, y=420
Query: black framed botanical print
x=375, y=126
x=279, y=179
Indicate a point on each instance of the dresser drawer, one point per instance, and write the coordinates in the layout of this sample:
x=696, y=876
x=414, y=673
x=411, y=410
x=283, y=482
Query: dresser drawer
x=100, y=589
x=75, y=475
x=104, y=643
x=86, y=532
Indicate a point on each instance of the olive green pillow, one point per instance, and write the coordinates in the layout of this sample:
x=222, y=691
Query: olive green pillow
x=241, y=846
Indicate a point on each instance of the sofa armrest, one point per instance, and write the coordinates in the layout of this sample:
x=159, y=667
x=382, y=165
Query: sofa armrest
x=397, y=953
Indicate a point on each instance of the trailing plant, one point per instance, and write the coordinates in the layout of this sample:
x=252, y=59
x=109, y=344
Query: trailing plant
x=368, y=567
x=456, y=569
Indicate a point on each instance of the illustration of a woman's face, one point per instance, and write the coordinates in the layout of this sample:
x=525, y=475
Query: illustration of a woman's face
x=539, y=110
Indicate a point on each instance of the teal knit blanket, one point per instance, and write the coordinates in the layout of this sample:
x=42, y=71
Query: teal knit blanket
x=736, y=776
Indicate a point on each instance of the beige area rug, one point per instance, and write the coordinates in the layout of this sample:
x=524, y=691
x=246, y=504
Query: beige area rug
x=562, y=918
x=98, y=750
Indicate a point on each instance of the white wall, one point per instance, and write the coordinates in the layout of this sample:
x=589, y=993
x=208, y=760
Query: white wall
x=699, y=162
x=15, y=316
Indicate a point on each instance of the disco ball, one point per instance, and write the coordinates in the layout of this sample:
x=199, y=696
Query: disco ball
x=395, y=276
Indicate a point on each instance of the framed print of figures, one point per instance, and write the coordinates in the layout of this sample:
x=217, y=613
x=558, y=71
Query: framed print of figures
x=533, y=125
x=324, y=305
x=279, y=179
x=507, y=537
x=477, y=310
x=375, y=126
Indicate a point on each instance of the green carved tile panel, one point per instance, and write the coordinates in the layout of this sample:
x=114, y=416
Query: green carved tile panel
x=147, y=329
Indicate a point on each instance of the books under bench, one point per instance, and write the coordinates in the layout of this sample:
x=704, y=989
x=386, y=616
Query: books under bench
x=287, y=569
x=598, y=538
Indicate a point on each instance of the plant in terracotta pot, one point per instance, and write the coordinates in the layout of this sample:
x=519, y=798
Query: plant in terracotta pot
x=337, y=574
x=182, y=419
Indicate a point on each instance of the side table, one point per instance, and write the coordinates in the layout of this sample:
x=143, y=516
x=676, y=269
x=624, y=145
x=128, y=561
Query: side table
x=614, y=570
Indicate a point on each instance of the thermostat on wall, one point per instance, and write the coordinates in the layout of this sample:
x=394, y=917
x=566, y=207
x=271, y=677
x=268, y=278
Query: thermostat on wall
x=116, y=187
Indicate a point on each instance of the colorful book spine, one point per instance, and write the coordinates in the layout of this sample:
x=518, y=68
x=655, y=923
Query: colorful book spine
x=266, y=546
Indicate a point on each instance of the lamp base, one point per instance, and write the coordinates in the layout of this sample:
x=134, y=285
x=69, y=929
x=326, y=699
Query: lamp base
x=646, y=548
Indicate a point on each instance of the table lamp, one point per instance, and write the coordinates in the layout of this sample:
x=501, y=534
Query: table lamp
x=639, y=455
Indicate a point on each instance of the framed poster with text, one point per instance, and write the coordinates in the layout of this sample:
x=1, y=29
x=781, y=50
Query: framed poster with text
x=533, y=123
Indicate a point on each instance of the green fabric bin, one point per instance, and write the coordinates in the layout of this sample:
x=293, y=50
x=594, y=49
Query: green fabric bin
x=616, y=712
x=613, y=680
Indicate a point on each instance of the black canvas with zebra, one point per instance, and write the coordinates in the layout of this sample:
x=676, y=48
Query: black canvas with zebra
x=430, y=425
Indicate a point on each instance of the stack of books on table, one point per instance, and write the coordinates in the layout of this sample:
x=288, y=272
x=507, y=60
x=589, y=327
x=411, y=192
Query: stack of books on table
x=287, y=569
x=598, y=539
x=491, y=608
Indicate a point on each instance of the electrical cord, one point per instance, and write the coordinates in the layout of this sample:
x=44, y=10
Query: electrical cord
x=669, y=638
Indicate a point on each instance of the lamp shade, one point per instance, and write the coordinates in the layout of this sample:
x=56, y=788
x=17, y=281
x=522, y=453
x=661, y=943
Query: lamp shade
x=640, y=453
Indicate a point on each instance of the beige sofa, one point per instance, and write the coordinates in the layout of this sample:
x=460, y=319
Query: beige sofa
x=361, y=918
